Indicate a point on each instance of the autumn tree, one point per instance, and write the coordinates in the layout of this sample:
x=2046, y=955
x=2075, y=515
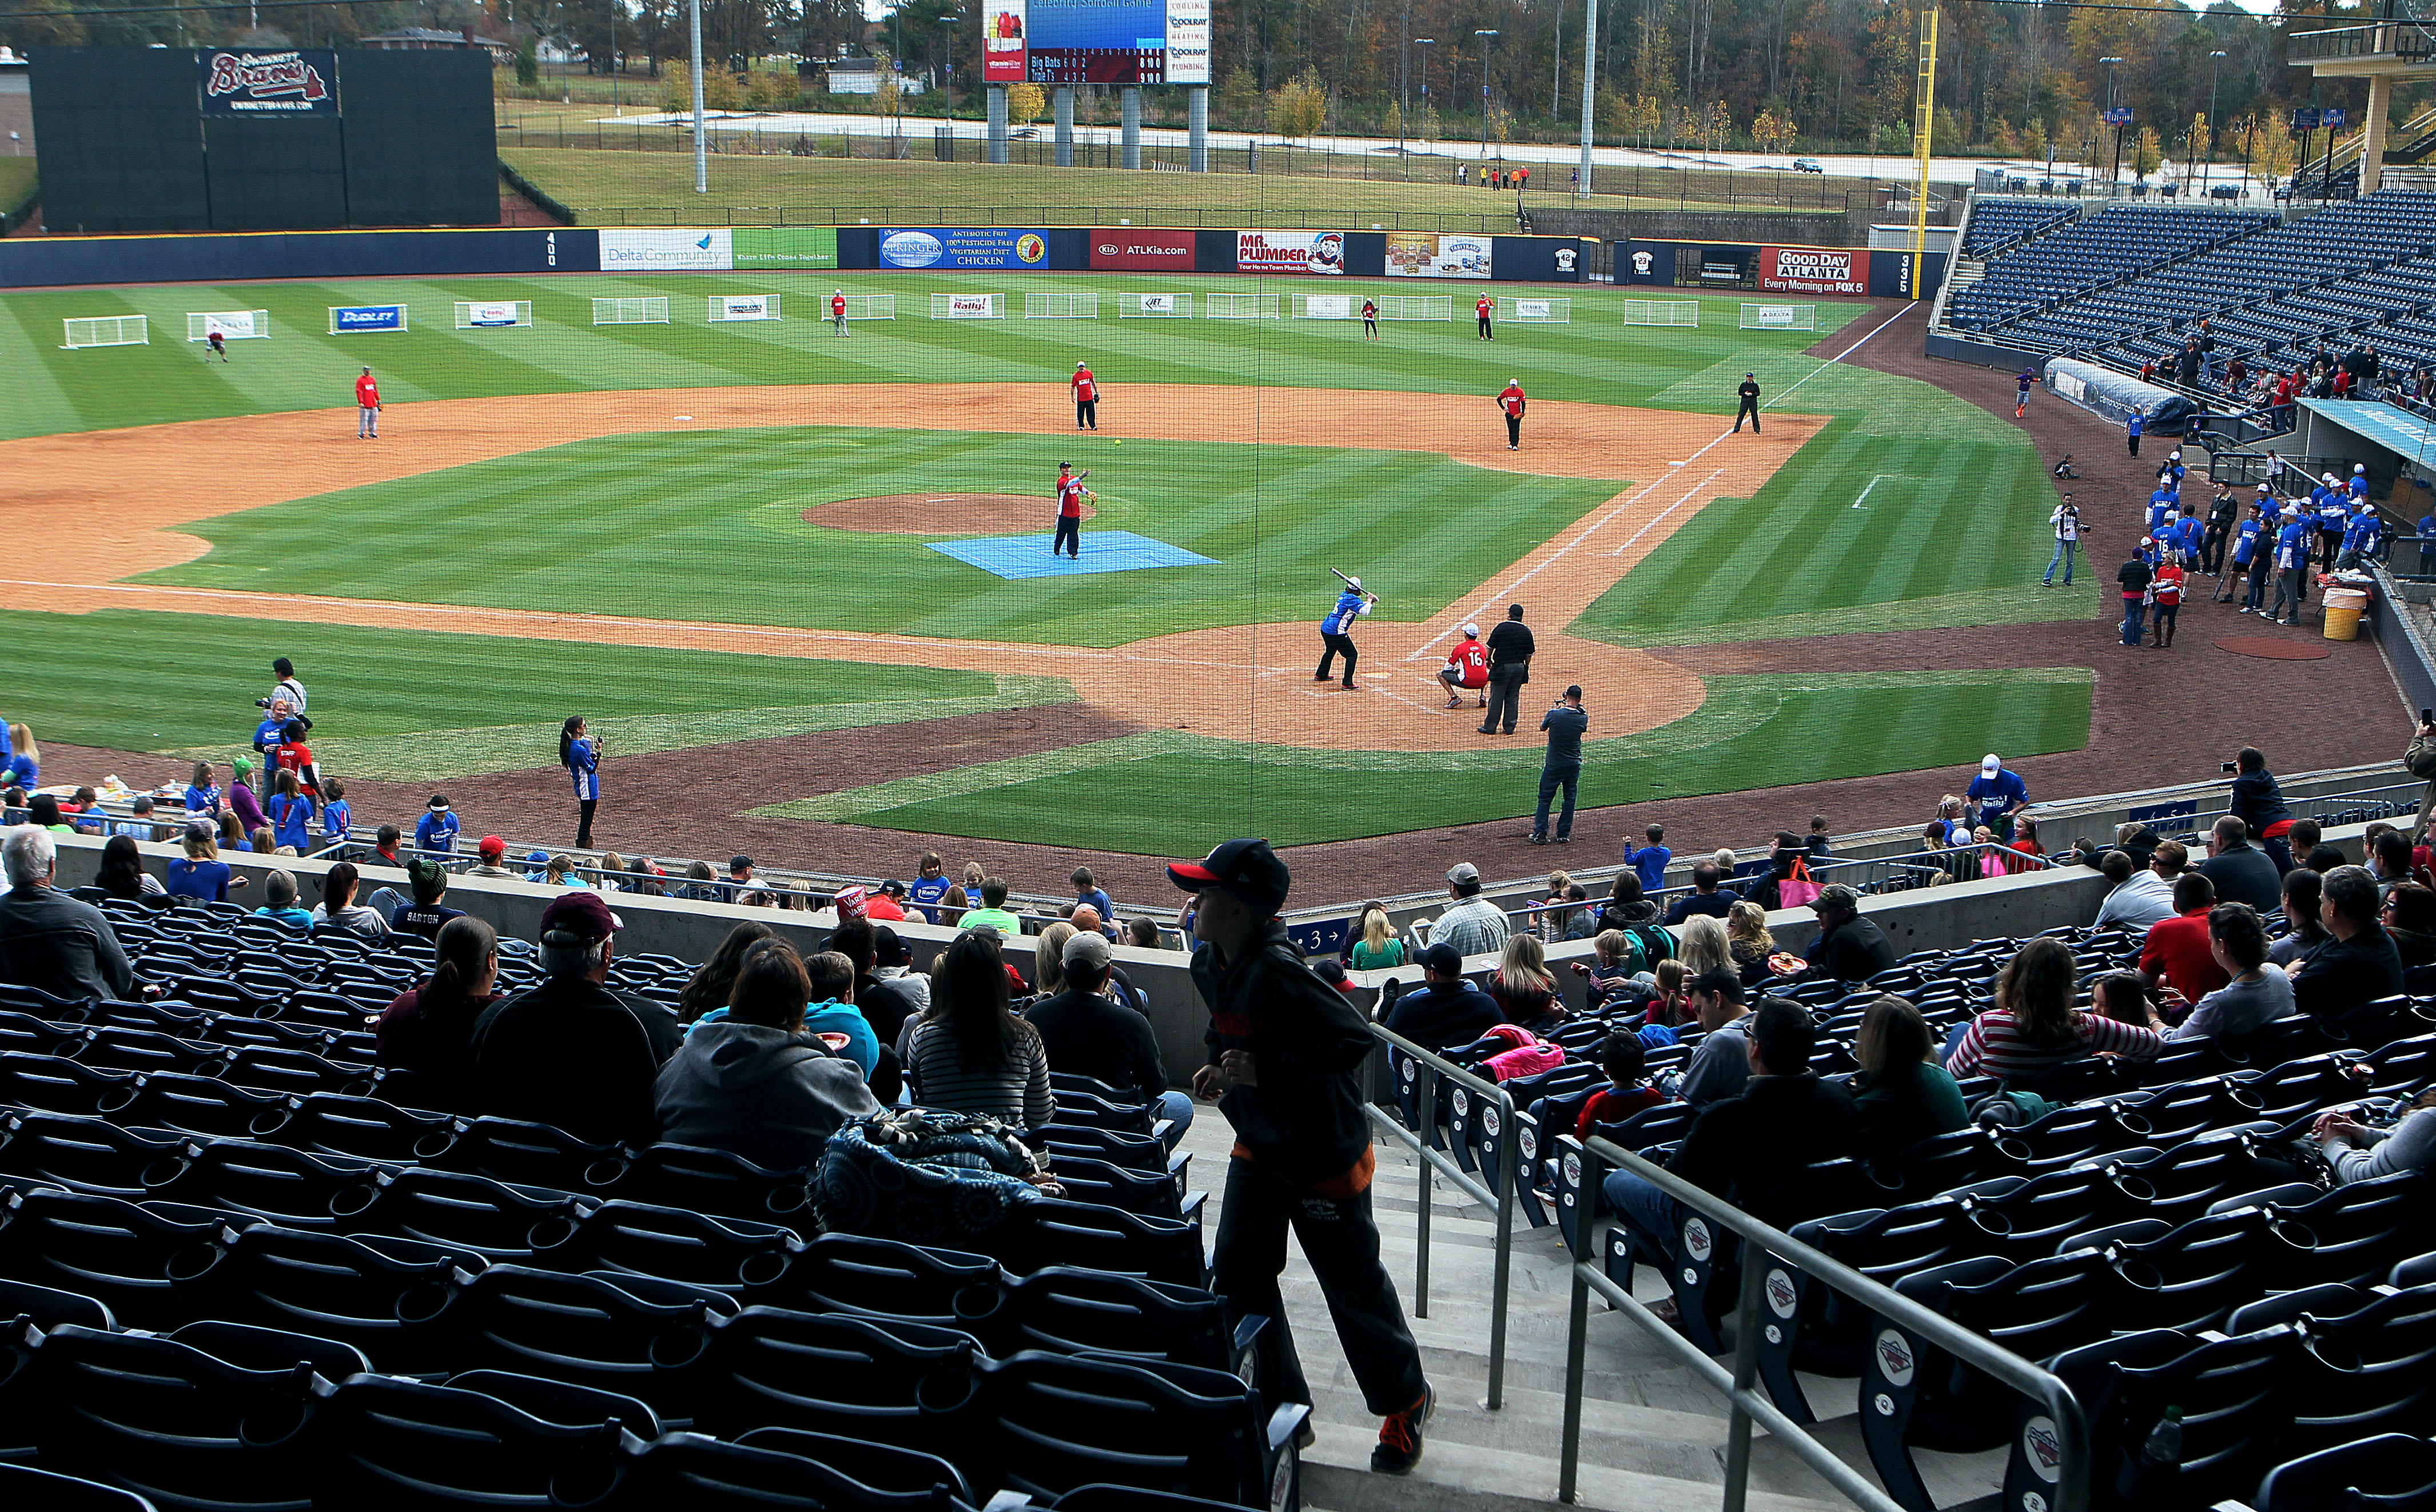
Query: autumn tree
x=1024, y=102
x=1300, y=108
x=2146, y=152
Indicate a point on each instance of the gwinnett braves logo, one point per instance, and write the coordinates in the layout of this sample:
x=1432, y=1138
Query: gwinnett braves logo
x=1780, y=1293
x=265, y=76
x=1895, y=1358
x=2045, y=1453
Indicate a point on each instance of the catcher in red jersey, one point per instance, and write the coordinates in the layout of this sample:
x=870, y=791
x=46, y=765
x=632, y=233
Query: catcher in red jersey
x=1466, y=667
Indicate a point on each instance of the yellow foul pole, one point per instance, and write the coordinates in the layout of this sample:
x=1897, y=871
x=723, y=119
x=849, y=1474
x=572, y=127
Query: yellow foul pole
x=1924, y=118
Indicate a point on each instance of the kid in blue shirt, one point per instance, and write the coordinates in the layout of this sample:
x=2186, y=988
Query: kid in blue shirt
x=203, y=794
x=435, y=833
x=1087, y=891
x=291, y=814
x=338, y=825
x=1650, y=860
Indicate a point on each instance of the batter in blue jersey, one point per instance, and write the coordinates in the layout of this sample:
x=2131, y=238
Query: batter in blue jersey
x=1336, y=630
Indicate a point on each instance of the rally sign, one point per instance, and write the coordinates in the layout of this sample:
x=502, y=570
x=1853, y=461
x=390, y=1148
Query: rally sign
x=1810, y=271
x=1290, y=251
x=252, y=81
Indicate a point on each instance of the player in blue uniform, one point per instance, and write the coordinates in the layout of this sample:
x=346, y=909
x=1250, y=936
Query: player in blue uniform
x=1335, y=629
x=2292, y=568
x=435, y=833
x=579, y=751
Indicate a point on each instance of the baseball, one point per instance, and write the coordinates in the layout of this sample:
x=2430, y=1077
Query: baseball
x=1115, y=443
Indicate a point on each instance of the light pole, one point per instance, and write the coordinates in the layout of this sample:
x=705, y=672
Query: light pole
x=2114, y=174
x=701, y=146
x=2215, y=60
x=1491, y=35
x=1425, y=42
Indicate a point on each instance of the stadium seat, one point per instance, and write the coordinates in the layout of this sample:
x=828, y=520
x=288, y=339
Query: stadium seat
x=48, y=1307
x=586, y=1332
x=391, y=1299
x=376, y=1441
x=293, y=1188
x=713, y=1181
x=2391, y=1472
x=882, y=1468
x=89, y=1154
x=559, y=1401
x=58, y=1085
x=532, y=1155
x=1068, y=1310
x=2231, y=1394
x=899, y=1383
x=364, y=1128
x=1057, y=1422
x=449, y=1209
x=24, y=1485
x=886, y=1278
x=728, y=1255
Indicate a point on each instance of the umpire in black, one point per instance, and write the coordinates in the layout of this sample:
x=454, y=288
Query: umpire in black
x=1749, y=391
x=1509, y=667
x=1285, y=1052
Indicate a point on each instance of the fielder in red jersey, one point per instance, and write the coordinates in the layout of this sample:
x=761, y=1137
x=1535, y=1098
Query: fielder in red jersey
x=1087, y=398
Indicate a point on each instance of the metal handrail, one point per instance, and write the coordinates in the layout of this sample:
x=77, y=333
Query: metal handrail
x=2071, y=1492
x=1430, y=1065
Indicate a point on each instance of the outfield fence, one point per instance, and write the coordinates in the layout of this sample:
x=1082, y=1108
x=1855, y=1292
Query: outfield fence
x=1416, y=307
x=646, y=310
x=1662, y=312
x=1226, y=306
x=105, y=330
x=1074, y=307
x=1536, y=311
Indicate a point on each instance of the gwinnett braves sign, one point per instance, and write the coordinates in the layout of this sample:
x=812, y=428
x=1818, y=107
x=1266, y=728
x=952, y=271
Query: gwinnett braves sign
x=243, y=81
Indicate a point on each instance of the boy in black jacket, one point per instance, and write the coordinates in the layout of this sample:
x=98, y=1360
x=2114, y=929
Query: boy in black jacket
x=1286, y=1049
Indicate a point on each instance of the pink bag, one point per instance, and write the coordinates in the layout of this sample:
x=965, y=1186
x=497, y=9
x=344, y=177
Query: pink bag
x=1798, y=891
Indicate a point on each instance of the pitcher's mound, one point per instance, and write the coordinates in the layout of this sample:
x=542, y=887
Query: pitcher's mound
x=940, y=513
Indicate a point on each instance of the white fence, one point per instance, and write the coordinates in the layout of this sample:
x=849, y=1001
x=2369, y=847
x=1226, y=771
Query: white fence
x=234, y=325
x=1241, y=307
x=1536, y=311
x=869, y=306
x=488, y=313
x=1662, y=312
x=1154, y=306
x=1779, y=316
x=106, y=330
x=967, y=307
x=1326, y=306
x=1416, y=307
x=646, y=310
x=1060, y=307
x=743, y=307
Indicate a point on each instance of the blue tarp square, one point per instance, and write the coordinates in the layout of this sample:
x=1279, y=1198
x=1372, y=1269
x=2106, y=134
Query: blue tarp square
x=1027, y=556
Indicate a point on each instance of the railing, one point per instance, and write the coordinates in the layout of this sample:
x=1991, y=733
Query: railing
x=2390, y=39
x=1424, y=1068
x=2071, y=1489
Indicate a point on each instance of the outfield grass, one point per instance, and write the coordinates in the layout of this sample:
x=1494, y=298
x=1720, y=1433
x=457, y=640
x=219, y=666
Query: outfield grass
x=1168, y=793
x=1596, y=358
x=407, y=704
x=591, y=525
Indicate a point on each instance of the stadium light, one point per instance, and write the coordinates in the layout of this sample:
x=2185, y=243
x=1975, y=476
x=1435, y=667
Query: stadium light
x=1491, y=35
x=2215, y=60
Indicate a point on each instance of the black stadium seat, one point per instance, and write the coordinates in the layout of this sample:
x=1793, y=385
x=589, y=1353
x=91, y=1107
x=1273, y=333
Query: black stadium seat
x=24, y=1485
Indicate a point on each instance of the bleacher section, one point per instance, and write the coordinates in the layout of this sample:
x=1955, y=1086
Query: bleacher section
x=2105, y=246
x=1997, y=224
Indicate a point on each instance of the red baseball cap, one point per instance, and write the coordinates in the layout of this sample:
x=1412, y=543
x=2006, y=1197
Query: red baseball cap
x=492, y=848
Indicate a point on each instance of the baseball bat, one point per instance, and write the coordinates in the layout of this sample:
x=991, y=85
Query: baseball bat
x=1349, y=582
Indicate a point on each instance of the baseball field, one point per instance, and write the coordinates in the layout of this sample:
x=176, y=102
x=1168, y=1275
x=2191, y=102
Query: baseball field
x=714, y=537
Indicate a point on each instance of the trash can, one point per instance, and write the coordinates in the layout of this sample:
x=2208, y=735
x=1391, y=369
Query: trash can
x=2343, y=609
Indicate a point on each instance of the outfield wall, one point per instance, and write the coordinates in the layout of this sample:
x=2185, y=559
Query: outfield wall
x=64, y=261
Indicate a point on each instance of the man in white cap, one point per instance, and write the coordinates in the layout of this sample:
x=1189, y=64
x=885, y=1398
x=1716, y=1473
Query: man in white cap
x=1466, y=667
x=1511, y=403
x=837, y=311
x=1337, y=631
x=1087, y=398
x=2000, y=795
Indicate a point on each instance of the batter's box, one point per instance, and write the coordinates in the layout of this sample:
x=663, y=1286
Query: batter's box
x=1027, y=556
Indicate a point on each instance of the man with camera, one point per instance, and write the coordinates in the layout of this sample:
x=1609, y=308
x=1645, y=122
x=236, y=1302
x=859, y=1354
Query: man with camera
x=1565, y=723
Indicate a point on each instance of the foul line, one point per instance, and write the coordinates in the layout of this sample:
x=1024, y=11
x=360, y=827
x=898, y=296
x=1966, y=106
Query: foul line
x=1669, y=510
x=1841, y=356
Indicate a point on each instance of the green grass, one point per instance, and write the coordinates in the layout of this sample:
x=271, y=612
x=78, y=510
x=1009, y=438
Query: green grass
x=16, y=178
x=1909, y=511
x=1598, y=359
x=1751, y=732
x=406, y=704
x=590, y=525
x=1355, y=189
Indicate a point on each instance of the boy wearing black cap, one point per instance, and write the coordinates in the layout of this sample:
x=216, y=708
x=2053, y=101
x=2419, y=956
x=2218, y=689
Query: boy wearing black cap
x=1284, y=1051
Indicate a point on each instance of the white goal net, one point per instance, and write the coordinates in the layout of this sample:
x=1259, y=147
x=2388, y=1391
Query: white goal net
x=233, y=325
x=1662, y=312
x=743, y=308
x=1060, y=307
x=1416, y=307
x=1154, y=306
x=869, y=307
x=486, y=313
x=1223, y=306
x=649, y=311
x=967, y=307
x=1536, y=311
x=1779, y=316
x=106, y=330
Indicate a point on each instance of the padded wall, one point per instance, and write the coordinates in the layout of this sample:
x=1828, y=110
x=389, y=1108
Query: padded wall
x=422, y=148
x=119, y=139
x=276, y=175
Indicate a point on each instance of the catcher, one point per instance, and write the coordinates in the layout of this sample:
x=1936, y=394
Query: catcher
x=1071, y=494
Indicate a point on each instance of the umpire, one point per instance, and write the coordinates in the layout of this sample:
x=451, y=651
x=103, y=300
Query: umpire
x=1285, y=1054
x=1749, y=391
x=1509, y=666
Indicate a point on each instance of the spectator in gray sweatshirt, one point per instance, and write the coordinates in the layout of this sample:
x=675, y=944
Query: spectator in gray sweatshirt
x=751, y=1083
x=2358, y=1153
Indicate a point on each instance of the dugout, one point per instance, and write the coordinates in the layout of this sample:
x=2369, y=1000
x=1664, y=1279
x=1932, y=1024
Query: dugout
x=149, y=139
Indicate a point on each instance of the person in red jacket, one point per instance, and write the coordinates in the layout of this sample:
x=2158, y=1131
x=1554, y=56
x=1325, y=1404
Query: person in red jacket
x=1466, y=667
x=367, y=407
x=1483, y=308
x=2166, y=603
x=1087, y=398
x=837, y=312
x=1509, y=399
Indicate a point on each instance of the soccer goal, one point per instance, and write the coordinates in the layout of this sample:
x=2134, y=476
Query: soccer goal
x=1536, y=311
x=743, y=307
x=1416, y=307
x=869, y=306
x=1662, y=312
x=1154, y=306
x=234, y=325
x=1324, y=306
x=106, y=330
x=1779, y=316
x=1241, y=307
x=647, y=311
x=967, y=307
x=488, y=313
x=1060, y=307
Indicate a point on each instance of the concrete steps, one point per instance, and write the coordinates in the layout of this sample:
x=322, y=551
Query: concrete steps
x=1653, y=1434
